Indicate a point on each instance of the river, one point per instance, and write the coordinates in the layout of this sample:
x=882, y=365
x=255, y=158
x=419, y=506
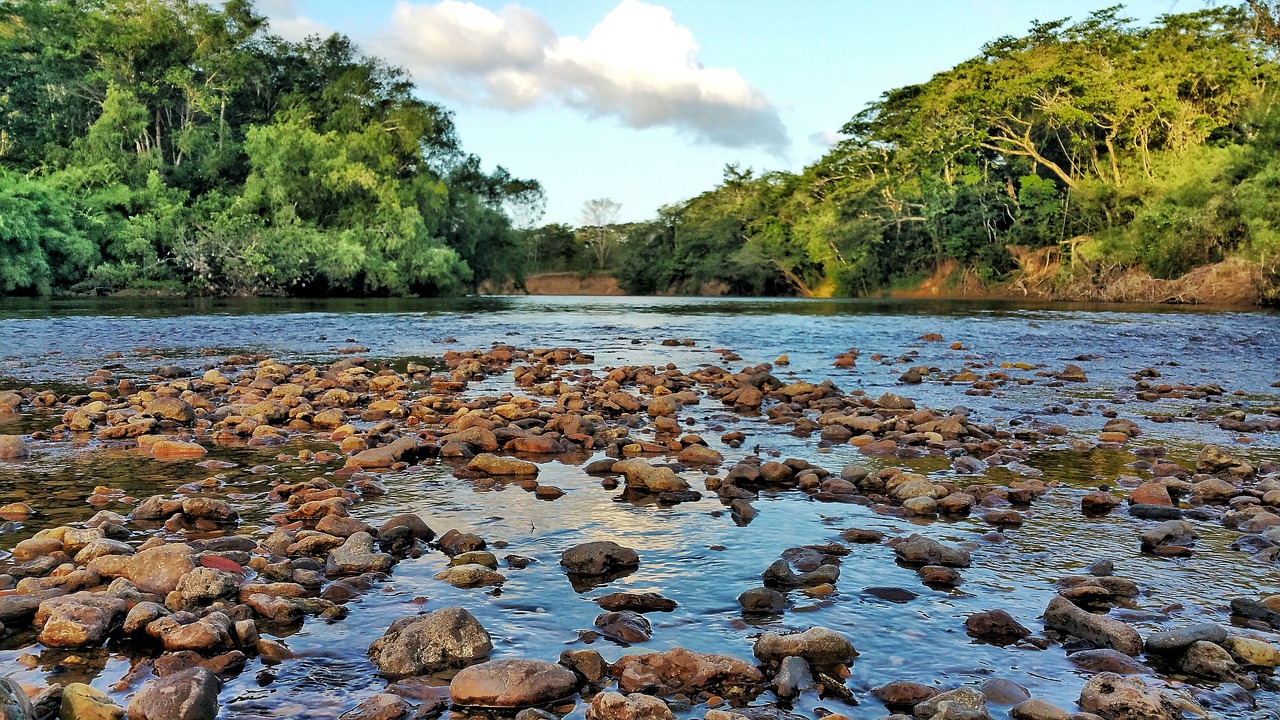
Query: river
x=693, y=553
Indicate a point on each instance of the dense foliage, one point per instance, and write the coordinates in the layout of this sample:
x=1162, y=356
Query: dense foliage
x=1152, y=146
x=173, y=144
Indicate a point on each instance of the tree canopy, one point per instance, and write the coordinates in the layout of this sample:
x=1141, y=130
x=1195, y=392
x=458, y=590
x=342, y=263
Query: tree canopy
x=1153, y=146
x=178, y=144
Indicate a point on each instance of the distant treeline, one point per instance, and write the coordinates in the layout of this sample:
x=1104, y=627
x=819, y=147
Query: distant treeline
x=1148, y=147
x=177, y=145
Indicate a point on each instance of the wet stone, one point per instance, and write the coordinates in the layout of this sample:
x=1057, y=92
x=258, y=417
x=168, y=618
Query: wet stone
x=512, y=683
x=449, y=637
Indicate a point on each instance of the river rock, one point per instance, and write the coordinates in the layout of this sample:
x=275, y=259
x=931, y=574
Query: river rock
x=79, y=619
x=964, y=703
x=176, y=450
x=449, y=637
x=170, y=408
x=205, y=508
x=1155, y=512
x=155, y=570
x=1214, y=459
x=996, y=626
x=1213, y=491
x=383, y=706
x=1119, y=697
x=1172, y=532
x=683, y=671
x=616, y=706
x=643, y=476
x=1208, y=659
x=357, y=556
x=1108, y=660
x=762, y=600
x=624, y=626
x=186, y=695
x=470, y=575
x=792, y=678
x=14, y=703
x=1254, y=652
x=780, y=573
x=101, y=547
x=512, y=684
x=1036, y=709
x=1100, y=630
x=819, y=645
x=204, y=585
x=142, y=614
x=598, y=558
x=13, y=447
x=920, y=550
x=82, y=702
x=490, y=464
x=1172, y=641
x=418, y=527
x=902, y=694
x=1152, y=493
x=638, y=602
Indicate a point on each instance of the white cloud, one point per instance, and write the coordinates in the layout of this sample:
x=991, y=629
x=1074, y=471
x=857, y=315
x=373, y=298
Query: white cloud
x=637, y=65
x=825, y=138
x=288, y=23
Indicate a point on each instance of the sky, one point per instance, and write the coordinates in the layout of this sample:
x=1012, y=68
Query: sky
x=646, y=101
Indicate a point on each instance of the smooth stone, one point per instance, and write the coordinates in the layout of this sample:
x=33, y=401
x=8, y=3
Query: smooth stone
x=1171, y=641
x=512, y=684
x=598, y=558
x=82, y=702
x=818, y=645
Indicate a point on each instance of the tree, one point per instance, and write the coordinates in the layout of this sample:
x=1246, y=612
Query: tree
x=597, y=216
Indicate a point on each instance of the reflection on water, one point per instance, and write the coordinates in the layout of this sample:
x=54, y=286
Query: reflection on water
x=693, y=553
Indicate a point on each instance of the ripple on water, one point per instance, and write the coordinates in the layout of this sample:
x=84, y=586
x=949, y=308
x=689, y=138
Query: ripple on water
x=537, y=612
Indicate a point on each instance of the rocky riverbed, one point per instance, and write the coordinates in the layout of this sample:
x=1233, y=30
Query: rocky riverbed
x=652, y=526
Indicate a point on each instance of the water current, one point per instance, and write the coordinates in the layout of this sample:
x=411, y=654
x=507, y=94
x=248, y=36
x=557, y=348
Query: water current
x=693, y=553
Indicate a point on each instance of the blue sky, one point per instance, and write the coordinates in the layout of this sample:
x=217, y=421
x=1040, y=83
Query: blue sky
x=646, y=102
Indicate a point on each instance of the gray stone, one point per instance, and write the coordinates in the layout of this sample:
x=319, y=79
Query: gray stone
x=793, y=678
x=449, y=637
x=1171, y=641
x=1100, y=630
x=187, y=695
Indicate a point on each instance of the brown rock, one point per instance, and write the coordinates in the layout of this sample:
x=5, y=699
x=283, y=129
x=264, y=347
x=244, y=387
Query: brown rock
x=615, y=706
x=490, y=464
x=176, y=450
x=1119, y=697
x=155, y=570
x=1152, y=493
x=13, y=447
x=683, y=671
x=512, y=684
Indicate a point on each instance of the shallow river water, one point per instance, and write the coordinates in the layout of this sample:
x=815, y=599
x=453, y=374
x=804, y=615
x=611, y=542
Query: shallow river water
x=693, y=553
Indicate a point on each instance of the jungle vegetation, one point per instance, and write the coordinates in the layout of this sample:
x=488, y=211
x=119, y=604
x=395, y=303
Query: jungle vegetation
x=1156, y=147
x=174, y=145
